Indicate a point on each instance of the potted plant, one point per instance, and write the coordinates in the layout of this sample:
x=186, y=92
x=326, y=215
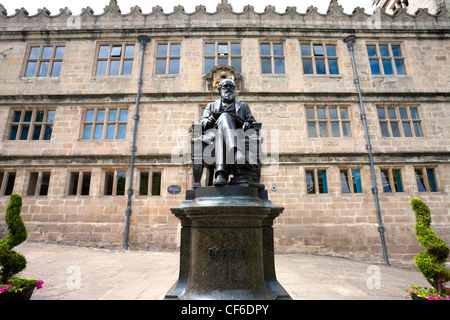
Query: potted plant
x=430, y=262
x=12, y=287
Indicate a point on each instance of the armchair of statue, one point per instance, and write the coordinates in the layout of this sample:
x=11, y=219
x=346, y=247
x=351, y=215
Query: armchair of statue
x=245, y=174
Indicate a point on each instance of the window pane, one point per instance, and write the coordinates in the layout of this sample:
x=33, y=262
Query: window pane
x=143, y=184
x=395, y=129
x=418, y=129
x=86, y=183
x=28, y=115
x=392, y=114
x=235, y=49
x=1, y=179
x=400, y=66
x=266, y=66
x=109, y=181
x=174, y=66
x=333, y=66
x=381, y=113
x=73, y=184
x=345, y=187
x=279, y=65
x=121, y=180
x=48, y=132
x=323, y=129
x=13, y=134
x=344, y=113
x=100, y=115
x=310, y=182
x=112, y=115
x=306, y=50
x=396, y=51
x=209, y=63
x=384, y=129
x=278, y=50
x=307, y=66
x=335, y=129
x=356, y=181
x=43, y=69
x=90, y=115
x=387, y=67
x=419, y=180
x=56, y=70
x=372, y=51
x=310, y=113
x=222, y=60
x=237, y=64
x=414, y=113
x=375, y=67
x=175, y=50
x=45, y=183
x=39, y=116
x=321, y=113
x=111, y=129
x=161, y=66
x=407, y=129
x=156, y=183
x=10, y=183
x=333, y=113
x=322, y=179
x=320, y=66
x=32, y=183
x=24, y=133
x=312, y=133
x=346, y=129
x=47, y=52
x=210, y=49
x=17, y=115
x=129, y=51
x=122, y=131
x=101, y=68
x=114, y=68
x=34, y=52
x=318, y=50
x=103, y=52
x=331, y=50
x=87, y=132
x=116, y=51
x=98, y=131
x=127, y=67
x=123, y=115
x=403, y=113
x=222, y=49
x=37, y=132
x=31, y=69
x=59, y=53
x=385, y=181
x=384, y=50
x=432, y=180
x=397, y=180
x=265, y=49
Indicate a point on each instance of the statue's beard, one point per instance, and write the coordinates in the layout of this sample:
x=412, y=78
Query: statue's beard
x=228, y=96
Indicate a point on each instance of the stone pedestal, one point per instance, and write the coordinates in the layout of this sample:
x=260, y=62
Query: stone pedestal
x=227, y=248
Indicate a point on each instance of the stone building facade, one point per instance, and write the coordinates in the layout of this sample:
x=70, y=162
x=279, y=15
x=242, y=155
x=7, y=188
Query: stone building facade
x=68, y=106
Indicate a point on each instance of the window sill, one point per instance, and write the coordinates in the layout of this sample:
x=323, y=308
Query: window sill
x=39, y=79
x=321, y=76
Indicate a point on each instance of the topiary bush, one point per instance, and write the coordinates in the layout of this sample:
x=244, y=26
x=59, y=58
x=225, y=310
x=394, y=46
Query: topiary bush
x=12, y=262
x=430, y=262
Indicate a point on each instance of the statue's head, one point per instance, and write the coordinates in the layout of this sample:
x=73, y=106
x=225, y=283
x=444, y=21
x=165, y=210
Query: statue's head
x=226, y=88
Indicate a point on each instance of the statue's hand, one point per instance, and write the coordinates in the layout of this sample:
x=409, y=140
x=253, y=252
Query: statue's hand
x=246, y=126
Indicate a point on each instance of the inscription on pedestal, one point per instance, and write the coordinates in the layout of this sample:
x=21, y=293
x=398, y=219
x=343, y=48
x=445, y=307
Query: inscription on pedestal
x=226, y=253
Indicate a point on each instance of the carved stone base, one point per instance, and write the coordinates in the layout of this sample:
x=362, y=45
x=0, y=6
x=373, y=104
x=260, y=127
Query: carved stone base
x=227, y=246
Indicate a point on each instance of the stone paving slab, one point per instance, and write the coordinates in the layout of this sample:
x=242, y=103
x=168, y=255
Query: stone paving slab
x=77, y=273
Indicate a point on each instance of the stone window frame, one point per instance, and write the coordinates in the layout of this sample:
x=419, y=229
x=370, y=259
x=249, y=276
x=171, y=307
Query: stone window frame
x=392, y=177
x=379, y=57
x=217, y=55
x=272, y=56
x=429, y=182
x=314, y=181
x=116, y=190
x=78, y=189
x=39, y=182
x=343, y=124
x=39, y=60
x=30, y=118
x=352, y=184
x=122, y=58
x=168, y=57
x=106, y=123
x=325, y=56
x=391, y=127
x=151, y=175
x=6, y=186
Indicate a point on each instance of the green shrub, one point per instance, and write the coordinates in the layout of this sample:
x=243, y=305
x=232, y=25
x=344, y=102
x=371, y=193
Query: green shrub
x=430, y=262
x=12, y=262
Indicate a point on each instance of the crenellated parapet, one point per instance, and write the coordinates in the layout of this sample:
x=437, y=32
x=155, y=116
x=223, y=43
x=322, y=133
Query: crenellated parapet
x=112, y=18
